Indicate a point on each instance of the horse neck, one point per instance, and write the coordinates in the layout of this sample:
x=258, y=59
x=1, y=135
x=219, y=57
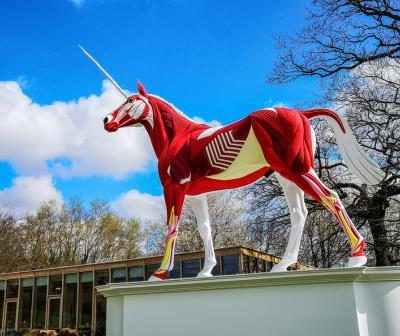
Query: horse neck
x=168, y=122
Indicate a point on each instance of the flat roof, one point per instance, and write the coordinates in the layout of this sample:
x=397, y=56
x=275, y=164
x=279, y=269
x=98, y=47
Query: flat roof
x=146, y=260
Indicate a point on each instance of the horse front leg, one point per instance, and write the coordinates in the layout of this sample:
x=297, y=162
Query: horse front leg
x=174, y=195
x=298, y=213
x=200, y=208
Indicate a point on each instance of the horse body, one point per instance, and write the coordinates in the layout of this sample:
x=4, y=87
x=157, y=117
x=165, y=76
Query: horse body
x=233, y=155
x=194, y=159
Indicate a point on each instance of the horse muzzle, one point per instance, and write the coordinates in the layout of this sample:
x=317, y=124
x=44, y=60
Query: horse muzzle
x=111, y=126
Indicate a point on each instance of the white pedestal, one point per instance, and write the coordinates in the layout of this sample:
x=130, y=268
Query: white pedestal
x=333, y=302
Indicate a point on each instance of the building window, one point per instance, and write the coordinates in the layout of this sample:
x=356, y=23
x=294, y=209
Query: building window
x=118, y=275
x=176, y=271
x=230, y=264
x=40, y=302
x=102, y=277
x=150, y=269
x=54, y=313
x=85, y=303
x=136, y=273
x=261, y=265
x=12, y=289
x=253, y=265
x=69, y=301
x=217, y=268
x=100, y=315
x=2, y=294
x=11, y=317
x=25, y=304
x=190, y=268
x=246, y=264
x=55, y=284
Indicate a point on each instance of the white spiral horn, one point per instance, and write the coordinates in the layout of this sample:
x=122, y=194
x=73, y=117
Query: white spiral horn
x=103, y=71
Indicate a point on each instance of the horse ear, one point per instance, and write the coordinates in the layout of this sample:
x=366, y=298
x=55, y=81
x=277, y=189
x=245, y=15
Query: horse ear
x=141, y=89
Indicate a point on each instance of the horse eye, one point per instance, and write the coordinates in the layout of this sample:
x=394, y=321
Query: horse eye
x=130, y=100
x=106, y=119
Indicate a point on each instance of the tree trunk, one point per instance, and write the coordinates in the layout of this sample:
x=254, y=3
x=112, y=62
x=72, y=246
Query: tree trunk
x=377, y=212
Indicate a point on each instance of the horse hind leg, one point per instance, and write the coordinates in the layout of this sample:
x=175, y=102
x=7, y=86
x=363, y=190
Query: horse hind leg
x=312, y=185
x=298, y=213
x=200, y=208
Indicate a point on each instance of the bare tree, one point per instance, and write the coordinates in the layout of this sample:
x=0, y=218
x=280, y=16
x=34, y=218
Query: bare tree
x=369, y=97
x=154, y=237
x=340, y=36
x=268, y=220
x=75, y=234
x=355, y=45
x=42, y=246
x=11, y=243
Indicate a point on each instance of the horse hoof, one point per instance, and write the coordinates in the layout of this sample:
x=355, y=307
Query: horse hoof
x=282, y=266
x=278, y=268
x=204, y=275
x=357, y=261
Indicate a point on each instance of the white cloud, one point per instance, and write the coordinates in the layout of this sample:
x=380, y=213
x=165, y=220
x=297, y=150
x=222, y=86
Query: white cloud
x=275, y=103
x=134, y=204
x=68, y=134
x=27, y=193
x=212, y=123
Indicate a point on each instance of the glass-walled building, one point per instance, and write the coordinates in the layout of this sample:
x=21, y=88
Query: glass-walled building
x=66, y=297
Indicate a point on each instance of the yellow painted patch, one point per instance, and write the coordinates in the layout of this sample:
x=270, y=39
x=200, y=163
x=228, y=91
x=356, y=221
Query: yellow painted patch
x=350, y=234
x=328, y=202
x=171, y=220
x=170, y=241
x=168, y=253
x=250, y=159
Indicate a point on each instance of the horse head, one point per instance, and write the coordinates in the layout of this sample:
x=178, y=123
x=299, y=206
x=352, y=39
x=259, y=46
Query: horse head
x=133, y=112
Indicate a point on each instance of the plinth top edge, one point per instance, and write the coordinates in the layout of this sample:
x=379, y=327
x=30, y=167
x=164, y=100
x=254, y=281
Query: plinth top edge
x=315, y=276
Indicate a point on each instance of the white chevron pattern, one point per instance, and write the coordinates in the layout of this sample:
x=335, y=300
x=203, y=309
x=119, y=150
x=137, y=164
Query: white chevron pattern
x=223, y=149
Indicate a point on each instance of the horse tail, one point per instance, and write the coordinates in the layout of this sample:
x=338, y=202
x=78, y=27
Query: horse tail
x=353, y=155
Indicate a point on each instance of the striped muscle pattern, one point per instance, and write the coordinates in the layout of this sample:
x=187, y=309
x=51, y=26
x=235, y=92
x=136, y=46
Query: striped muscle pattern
x=268, y=115
x=223, y=150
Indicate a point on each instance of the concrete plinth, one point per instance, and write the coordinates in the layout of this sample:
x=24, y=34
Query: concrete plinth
x=353, y=301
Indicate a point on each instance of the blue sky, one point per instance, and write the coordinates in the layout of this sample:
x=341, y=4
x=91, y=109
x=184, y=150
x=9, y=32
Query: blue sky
x=209, y=58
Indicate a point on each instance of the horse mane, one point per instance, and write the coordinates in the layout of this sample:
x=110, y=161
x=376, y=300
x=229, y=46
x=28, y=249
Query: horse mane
x=173, y=107
x=170, y=119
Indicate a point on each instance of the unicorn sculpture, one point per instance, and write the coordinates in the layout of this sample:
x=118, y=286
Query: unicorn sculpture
x=195, y=159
